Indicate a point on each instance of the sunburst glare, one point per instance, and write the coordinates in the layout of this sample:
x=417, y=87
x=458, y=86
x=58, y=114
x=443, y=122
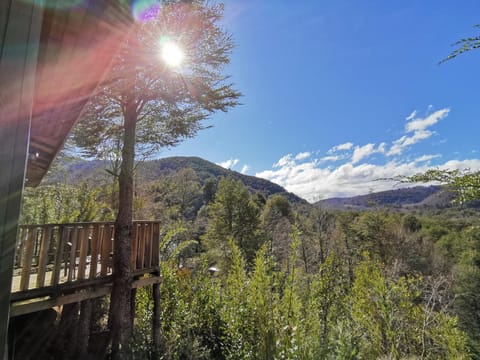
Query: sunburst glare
x=172, y=54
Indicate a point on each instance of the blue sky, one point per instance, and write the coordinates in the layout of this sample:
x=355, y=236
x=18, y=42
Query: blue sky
x=340, y=93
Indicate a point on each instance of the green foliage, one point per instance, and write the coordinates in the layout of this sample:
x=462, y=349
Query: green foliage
x=277, y=206
x=167, y=106
x=262, y=305
x=465, y=184
x=384, y=313
x=464, y=45
x=235, y=312
x=209, y=189
x=143, y=345
x=414, y=296
x=324, y=311
x=177, y=195
x=63, y=203
x=289, y=332
x=392, y=325
x=411, y=223
x=232, y=215
x=268, y=314
x=467, y=284
x=276, y=221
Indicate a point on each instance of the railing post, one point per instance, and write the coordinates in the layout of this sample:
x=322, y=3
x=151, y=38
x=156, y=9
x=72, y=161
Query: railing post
x=73, y=254
x=106, y=249
x=72, y=245
x=94, y=246
x=27, y=259
x=156, y=245
x=148, y=245
x=43, y=257
x=83, y=246
x=141, y=246
x=58, y=255
x=133, y=258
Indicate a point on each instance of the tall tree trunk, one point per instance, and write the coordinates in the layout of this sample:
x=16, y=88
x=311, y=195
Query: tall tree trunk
x=120, y=313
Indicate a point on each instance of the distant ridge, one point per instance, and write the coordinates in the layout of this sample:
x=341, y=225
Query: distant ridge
x=407, y=198
x=417, y=197
x=206, y=169
x=79, y=170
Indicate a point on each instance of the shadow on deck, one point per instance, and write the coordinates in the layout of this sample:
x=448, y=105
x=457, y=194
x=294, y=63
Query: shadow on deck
x=58, y=264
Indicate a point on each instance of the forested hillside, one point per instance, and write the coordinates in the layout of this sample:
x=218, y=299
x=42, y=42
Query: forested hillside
x=76, y=170
x=250, y=272
x=416, y=197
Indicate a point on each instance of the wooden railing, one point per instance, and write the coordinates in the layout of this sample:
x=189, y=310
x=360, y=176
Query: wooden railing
x=53, y=254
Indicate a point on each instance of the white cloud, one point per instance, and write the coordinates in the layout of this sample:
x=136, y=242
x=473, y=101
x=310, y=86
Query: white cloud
x=314, y=182
x=315, y=179
x=381, y=148
x=411, y=116
x=418, y=128
x=419, y=124
x=361, y=152
x=303, y=155
x=287, y=159
x=245, y=168
x=424, y=158
x=229, y=164
x=406, y=141
x=340, y=147
x=333, y=158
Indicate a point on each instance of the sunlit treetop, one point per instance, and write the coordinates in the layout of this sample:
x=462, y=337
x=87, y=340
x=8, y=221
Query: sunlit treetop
x=172, y=69
x=465, y=184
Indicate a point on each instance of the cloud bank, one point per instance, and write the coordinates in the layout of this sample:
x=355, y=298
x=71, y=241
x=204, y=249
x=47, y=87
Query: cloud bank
x=348, y=169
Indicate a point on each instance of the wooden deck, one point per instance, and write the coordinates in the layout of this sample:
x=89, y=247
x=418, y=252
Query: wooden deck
x=56, y=264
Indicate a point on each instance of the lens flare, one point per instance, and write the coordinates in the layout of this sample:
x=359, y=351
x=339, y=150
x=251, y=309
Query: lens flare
x=171, y=53
x=145, y=10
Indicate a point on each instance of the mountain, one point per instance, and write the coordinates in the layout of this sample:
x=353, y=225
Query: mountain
x=406, y=198
x=75, y=170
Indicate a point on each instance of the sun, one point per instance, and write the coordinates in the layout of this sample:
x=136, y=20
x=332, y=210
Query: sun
x=172, y=54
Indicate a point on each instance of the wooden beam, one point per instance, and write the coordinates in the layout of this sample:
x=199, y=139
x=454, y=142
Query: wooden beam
x=58, y=290
x=19, y=308
x=20, y=25
x=26, y=308
x=146, y=282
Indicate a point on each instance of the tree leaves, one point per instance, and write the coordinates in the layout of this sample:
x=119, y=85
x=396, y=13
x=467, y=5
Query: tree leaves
x=170, y=105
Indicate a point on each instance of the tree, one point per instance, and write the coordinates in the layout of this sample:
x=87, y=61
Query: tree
x=465, y=184
x=464, y=45
x=178, y=194
x=147, y=106
x=209, y=189
x=277, y=219
x=233, y=215
x=63, y=203
x=390, y=322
